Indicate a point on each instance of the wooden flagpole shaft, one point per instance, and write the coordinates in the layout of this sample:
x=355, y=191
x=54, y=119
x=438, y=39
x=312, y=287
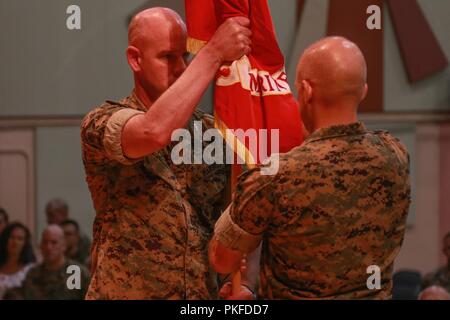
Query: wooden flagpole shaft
x=236, y=170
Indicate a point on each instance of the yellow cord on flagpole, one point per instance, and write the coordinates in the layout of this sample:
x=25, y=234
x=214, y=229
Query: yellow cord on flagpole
x=194, y=45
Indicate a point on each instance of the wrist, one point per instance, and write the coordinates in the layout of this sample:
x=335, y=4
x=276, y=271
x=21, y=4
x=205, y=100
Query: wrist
x=212, y=53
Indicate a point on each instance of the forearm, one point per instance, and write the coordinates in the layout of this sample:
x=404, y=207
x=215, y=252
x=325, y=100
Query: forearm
x=175, y=106
x=147, y=133
x=152, y=131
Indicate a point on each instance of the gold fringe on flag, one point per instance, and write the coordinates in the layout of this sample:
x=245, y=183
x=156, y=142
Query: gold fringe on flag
x=234, y=143
x=194, y=45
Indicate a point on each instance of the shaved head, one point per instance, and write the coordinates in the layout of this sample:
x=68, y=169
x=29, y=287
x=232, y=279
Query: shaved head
x=434, y=293
x=53, y=231
x=53, y=244
x=152, y=23
x=335, y=67
x=331, y=82
x=156, y=50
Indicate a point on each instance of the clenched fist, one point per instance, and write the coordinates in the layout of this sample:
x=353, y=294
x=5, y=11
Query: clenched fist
x=232, y=39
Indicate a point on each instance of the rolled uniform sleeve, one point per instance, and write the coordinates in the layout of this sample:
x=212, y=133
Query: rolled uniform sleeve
x=102, y=130
x=242, y=225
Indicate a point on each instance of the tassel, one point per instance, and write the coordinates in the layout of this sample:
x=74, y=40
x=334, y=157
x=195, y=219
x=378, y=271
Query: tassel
x=194, y=45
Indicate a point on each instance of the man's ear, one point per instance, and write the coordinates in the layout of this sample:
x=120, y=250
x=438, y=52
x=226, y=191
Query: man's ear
x=134, y=58
x=307, y=92
x=364, y=93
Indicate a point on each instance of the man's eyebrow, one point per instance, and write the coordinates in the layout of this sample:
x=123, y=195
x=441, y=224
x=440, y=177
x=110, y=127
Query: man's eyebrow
x=168, y=51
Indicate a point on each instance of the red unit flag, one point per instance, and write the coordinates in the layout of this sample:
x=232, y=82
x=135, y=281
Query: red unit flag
x=253, y=92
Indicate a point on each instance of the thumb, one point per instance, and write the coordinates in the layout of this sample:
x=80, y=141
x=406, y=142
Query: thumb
x=243, y=21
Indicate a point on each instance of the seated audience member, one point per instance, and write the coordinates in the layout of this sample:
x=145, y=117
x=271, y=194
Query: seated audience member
x=16, y=256
x=4, y=218
x=434, y=293
x=57, y=211
x=52, y=279
x=73, y=249
x=440, y=277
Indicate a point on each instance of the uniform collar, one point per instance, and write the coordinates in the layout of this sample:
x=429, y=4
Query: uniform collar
x=132, y=101
x=356, y=128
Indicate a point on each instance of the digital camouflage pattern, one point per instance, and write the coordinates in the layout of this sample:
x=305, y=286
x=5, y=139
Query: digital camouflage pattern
x=153, y=218
x=42, y=284
x=338, y=205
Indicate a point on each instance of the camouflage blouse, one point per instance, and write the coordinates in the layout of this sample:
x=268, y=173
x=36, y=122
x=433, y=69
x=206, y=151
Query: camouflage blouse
x=337, y=206
x=153, y=218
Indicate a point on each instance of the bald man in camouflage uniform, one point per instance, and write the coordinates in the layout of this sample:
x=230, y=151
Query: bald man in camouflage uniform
x=154, y=218
x=53, y=278
x=339, y=202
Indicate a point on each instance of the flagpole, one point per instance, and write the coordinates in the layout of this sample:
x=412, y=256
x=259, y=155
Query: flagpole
x=236, y=170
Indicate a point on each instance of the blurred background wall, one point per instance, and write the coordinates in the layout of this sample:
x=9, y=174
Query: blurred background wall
x=50, y=77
